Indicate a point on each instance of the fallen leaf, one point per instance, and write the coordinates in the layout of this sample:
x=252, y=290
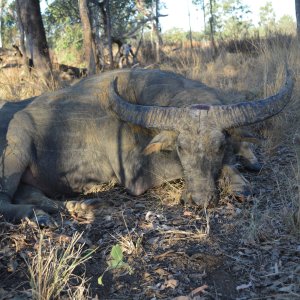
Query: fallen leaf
x=244, y=286
x=286, y=289
x=12, y=266
x=198, y=290
x=187, y=213
x=171, y=283
x=147, y=276
x=161, y=272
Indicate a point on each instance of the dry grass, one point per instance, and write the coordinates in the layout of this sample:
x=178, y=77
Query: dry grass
x=52, y=268
x=170, y=194
x=131, y=242
x=15, y=84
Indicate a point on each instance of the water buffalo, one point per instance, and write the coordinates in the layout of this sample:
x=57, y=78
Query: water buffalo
x=142, y=127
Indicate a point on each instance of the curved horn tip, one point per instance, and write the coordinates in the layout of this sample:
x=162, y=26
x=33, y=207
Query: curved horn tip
x=113, y=83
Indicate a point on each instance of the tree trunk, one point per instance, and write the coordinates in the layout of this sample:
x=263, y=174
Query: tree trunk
x=94, y=13
x=142, y=8
x=159, y=41
x=108, y=22
x=1, y=12
x=87, y=37
x=297, y=6
x=190, y=31
x=204, y=16
x=212, y=31
x=31, y=19
x=22, y=39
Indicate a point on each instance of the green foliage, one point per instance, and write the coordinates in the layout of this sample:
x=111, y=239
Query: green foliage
x=64, y=30
x=267, y=18
x=226, y=18
x=286, y=25
x=116, y=262
x=174, y=35
x=123, y=17
x=59, y=12
x=70, y=36
x=9, y=29
x=234, y=19
x=178, y=35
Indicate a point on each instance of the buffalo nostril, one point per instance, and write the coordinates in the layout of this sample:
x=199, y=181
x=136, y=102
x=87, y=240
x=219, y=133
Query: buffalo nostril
x=256, y=167
x=186, y=198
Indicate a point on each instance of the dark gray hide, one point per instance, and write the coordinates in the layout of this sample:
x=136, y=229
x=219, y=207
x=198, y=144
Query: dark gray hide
x=66, y=142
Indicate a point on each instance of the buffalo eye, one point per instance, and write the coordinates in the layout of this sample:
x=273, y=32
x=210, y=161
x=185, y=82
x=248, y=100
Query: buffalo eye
x=221, y=146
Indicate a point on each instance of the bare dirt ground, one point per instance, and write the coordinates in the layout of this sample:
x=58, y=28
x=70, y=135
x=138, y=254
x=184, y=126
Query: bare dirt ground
x=239, y=250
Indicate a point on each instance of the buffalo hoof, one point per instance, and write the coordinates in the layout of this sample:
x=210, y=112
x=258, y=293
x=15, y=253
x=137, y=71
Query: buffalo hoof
x=254, y=167
x=85, y=205
x=249, y=166
x=43, y=219
x=243, y=195
x=187, y=199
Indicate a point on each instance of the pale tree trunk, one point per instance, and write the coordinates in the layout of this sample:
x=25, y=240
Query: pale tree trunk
x=108, y=22
x=204, y=16
x=89, y=46
x=142, y=8
x=97, y=45
x=158, y=42
x=297, y=6
x=211, y=26
x=31, y=19
x=22, y=39
x=1, y=13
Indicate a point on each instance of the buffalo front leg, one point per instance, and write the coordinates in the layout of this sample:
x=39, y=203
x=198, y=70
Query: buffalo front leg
x=233, y=182
x=27, y=194
x=14, y=160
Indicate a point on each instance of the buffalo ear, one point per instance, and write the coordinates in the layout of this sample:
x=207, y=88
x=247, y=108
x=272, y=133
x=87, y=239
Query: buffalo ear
x=243, y=135
x=165, y=140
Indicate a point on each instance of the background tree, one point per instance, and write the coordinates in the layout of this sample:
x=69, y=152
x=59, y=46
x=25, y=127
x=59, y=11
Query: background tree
x=286, y=25
x=202, y=5
x=2, y=3
x=150, y=10
x=64, y=30
x=109, y=30
x=267, y=18
x=234, y=19
x=297, y=6
x=213, y=24
x=89, y=45
x=22, y=38
x=30, y=16
x=8, y=26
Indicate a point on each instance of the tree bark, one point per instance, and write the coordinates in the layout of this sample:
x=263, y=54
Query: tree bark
x=1, y=12
x=87, y=37
x=297, y=6
x=31, y=19
x=204, y=16
x=22, y=39
x=211, y=26
x=142, y=8
x=159, y=41
x=109, y=40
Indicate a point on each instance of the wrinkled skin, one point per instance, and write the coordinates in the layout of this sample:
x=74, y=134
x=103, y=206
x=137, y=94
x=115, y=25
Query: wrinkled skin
x=64, y=143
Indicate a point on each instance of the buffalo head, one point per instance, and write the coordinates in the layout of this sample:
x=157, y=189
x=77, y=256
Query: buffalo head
x=198, y=133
